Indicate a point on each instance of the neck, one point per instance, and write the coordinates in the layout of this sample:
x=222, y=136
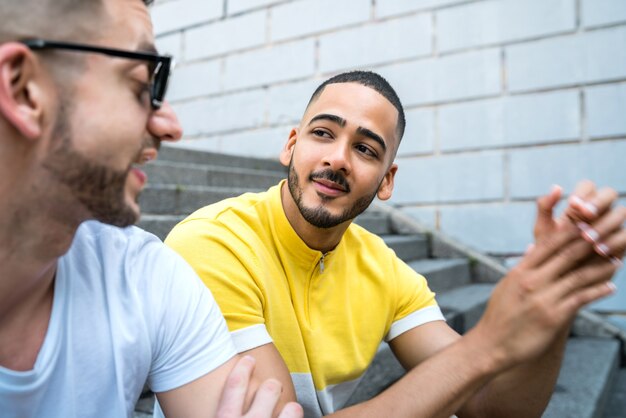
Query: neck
x=321, y=239
x=36, y=228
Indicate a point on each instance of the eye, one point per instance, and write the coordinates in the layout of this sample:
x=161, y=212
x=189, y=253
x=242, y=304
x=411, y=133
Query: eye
x=365, y=150
x=142, y=91
x=321, y=133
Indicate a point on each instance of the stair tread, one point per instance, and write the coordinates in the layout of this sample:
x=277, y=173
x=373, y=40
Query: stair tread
x=429, y=265
x=589, y=366
x=616, y=404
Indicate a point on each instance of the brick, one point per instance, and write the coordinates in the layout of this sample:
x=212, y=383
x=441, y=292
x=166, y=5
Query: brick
x=195, y=80
x=226, y=36
x=460, y=76
x=378, y=43
x=602, y=12
x=306, y=17
x=170, y=44
x=419, y=135
x=181, y=14
x=533, y=171
x=495, y=22
x=493, y=228
x=514, y=120
x=238, y=6
x=225, y=113
x=259, y=143
x=288, y=101
x=269, y=65
x=386, y=8
x=606, y=110
x=588, y=57
x=450, y=178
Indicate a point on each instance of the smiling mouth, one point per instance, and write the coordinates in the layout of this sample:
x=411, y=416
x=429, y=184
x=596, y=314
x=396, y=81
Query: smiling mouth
x=145, y=156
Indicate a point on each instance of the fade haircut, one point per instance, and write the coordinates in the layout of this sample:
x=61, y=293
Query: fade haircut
x=59, y=20
x=374, y=81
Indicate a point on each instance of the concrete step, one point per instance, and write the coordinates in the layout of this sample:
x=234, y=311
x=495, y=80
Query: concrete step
x=587, y=374
x=408, y=247
x=183, y=200
x=464, y=305
x=166, y=172
x=443, y=274
x=375, y=222
x=616, y=403
x=159, y=225
x=382, y=373
x=581, y=390
x=168, y=153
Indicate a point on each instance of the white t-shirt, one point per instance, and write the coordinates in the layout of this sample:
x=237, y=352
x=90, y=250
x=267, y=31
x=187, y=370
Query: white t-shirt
x=126, y=310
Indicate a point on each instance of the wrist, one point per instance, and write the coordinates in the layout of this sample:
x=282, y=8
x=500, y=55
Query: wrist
x=489, y=358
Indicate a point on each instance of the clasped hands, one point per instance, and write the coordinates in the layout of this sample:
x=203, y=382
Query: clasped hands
x=569, y=266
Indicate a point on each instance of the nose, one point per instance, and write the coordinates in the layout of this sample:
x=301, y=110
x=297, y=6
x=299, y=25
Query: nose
x=164, y=125
x=338, y=157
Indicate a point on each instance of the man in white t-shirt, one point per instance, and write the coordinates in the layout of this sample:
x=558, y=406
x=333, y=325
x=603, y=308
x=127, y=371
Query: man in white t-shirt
x=88, y=311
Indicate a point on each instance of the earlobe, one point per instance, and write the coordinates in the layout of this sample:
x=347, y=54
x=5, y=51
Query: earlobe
x=287, y=151
x=19, y=91
x=386, y=186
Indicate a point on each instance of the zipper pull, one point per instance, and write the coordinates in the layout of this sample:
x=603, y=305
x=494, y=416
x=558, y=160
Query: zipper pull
x=322, y=264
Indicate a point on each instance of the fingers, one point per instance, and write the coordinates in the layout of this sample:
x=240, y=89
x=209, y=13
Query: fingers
x=233, y=397
x=577, y=300
x=266, y=398
x=597, y=272
x=587, y=205
x=549, y=245
x=607, y=235
x=292, y=410
x=545, y=211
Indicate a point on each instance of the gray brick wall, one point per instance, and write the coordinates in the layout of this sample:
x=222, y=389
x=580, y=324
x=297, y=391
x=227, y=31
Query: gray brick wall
x=503, y=97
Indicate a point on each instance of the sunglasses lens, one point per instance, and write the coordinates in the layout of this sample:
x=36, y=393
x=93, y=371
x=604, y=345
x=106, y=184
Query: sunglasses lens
x=159, y=84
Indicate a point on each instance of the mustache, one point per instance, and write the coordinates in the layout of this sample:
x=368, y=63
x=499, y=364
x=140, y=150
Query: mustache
x=334, y=176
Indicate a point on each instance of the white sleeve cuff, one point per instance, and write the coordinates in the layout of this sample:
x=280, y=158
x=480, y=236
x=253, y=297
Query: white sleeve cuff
x=251, y=337
x=415, y=319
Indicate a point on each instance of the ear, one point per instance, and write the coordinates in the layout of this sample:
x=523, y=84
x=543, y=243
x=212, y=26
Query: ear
x=287, y=151
x=20, y=90
x=386, y=186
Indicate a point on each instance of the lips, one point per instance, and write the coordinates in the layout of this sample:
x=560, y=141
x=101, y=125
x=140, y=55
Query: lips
x=330, y=185
x=146, y=155
x=140, y=175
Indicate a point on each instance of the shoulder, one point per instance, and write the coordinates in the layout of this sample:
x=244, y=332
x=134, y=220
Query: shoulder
x=366, y=242
x=225, y=224
x=129, y=254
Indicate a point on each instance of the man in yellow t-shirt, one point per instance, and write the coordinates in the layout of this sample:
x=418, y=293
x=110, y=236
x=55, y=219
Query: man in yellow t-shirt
x=312, y=295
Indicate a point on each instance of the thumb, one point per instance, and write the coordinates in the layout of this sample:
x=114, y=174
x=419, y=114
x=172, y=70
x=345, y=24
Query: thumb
x=545, y=211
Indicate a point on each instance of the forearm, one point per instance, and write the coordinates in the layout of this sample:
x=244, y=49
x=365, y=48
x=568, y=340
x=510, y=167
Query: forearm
x=437, y=387
x=522, y=391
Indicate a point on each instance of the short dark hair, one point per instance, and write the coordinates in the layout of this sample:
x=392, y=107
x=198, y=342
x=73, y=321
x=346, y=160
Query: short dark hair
x=40, y=19
x=374, y=81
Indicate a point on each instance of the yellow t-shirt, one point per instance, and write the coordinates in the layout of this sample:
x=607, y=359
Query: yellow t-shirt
x=326, y=313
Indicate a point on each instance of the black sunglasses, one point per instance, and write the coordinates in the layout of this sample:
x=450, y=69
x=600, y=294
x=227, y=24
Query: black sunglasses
x=160, y=65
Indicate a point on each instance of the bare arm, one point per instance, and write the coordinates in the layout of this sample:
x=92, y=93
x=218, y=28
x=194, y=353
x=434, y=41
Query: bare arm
x=524, y=324
x=228, y=392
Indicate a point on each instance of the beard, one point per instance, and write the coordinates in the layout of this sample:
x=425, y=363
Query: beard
x=98, y=188
x=319, y=216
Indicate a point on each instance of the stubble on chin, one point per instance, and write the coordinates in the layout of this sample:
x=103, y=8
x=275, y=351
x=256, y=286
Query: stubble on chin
x=100, y=189
x=320, y=216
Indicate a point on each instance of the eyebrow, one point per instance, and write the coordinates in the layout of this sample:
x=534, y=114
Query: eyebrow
x=342, y=122
x=372, y=135
x=327, y=116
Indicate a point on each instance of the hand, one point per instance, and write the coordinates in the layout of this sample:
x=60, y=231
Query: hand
x=585, y=206
x=233, y=398
x=542, y=294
